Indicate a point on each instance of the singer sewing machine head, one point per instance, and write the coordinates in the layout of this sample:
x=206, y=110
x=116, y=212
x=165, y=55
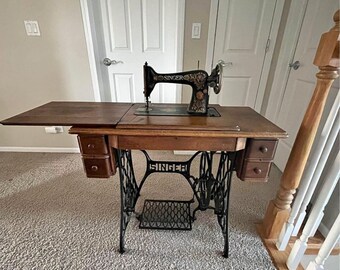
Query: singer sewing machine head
x=199, y=80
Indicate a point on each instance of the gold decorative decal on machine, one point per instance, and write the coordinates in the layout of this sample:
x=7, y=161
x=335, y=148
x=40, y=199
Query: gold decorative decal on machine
x=198, y=79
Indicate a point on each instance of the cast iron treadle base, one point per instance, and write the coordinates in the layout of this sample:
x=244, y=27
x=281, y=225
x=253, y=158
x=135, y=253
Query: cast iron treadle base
x=166, y=215
x=208, y=184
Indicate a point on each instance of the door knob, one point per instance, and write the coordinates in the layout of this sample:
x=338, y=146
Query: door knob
x=295, y=65
x=225, y=64
x=109, y=62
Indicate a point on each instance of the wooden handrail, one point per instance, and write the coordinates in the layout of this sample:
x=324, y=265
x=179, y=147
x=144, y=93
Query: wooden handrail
x=327, y=59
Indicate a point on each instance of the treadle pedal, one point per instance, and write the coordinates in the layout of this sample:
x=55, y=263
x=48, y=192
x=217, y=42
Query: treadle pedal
x=166, y=215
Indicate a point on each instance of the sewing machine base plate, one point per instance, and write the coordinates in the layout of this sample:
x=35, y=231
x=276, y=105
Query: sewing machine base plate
x=173, y=111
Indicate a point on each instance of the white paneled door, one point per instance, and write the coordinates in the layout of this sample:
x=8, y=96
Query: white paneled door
x=136, y=31
x=301, y=81
x=242, y=41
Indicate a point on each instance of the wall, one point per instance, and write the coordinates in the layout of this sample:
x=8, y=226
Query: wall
x=196, y=11
x=54, y=66
x=36, y=70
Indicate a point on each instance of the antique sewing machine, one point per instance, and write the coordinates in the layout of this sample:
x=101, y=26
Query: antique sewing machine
x=199, y=80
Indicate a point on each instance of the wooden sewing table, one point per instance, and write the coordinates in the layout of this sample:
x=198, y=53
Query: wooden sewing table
x=107, y=132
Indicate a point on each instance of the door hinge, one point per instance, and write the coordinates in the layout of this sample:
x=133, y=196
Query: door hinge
x=267, y=45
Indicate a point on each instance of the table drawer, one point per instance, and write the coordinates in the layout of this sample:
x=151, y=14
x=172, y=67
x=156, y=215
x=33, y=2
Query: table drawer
x=98, y=167
x=254, y=171
x=92, y=144
x=261, y=149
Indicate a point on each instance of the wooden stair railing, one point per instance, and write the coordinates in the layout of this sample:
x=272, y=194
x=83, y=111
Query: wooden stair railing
x=327, y=59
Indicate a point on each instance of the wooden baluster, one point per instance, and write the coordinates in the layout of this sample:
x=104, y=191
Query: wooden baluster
x=327, y=59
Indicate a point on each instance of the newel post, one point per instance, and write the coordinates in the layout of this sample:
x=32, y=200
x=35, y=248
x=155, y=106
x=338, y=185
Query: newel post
x=327, y=59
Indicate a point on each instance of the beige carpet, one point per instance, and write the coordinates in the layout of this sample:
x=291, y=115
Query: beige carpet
x=53, y=217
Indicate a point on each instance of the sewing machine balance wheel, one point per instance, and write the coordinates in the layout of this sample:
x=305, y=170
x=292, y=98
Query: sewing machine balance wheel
x=219, y=76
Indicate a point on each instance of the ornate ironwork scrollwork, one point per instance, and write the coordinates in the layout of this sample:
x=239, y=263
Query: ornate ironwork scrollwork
x=206, y=186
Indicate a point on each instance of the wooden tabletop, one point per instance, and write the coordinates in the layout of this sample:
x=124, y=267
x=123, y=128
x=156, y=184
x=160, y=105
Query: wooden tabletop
x=119, y=118
x=233, y=119
x=71, y=113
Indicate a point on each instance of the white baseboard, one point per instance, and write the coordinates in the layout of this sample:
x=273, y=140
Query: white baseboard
x=40, y=149
x=188, y=152
x=323, y=229
x=177, y=152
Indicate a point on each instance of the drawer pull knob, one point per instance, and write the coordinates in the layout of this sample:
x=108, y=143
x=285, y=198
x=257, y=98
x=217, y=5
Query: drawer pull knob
x=91, y=146
x=94, y=168
x=257, y=170
x=263, y=149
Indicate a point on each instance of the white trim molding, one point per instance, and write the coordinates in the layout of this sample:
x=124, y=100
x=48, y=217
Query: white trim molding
x=211, y=35
x=274, y=29
x=85, y=11
x=180, y=45
x=211, y=42
x=184, y=153
x=40, y=149
x=323, y=229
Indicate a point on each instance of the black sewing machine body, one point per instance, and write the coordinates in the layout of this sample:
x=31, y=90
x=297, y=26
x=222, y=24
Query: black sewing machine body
x=199, y=80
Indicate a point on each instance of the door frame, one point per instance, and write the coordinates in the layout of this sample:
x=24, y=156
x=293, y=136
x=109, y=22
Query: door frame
x=289, y=43
x=94, y=43
x=275, y=24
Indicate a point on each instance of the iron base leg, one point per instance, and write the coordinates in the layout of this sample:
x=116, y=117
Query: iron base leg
x=222, y=194
x=223, y=221
x=128, y=192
